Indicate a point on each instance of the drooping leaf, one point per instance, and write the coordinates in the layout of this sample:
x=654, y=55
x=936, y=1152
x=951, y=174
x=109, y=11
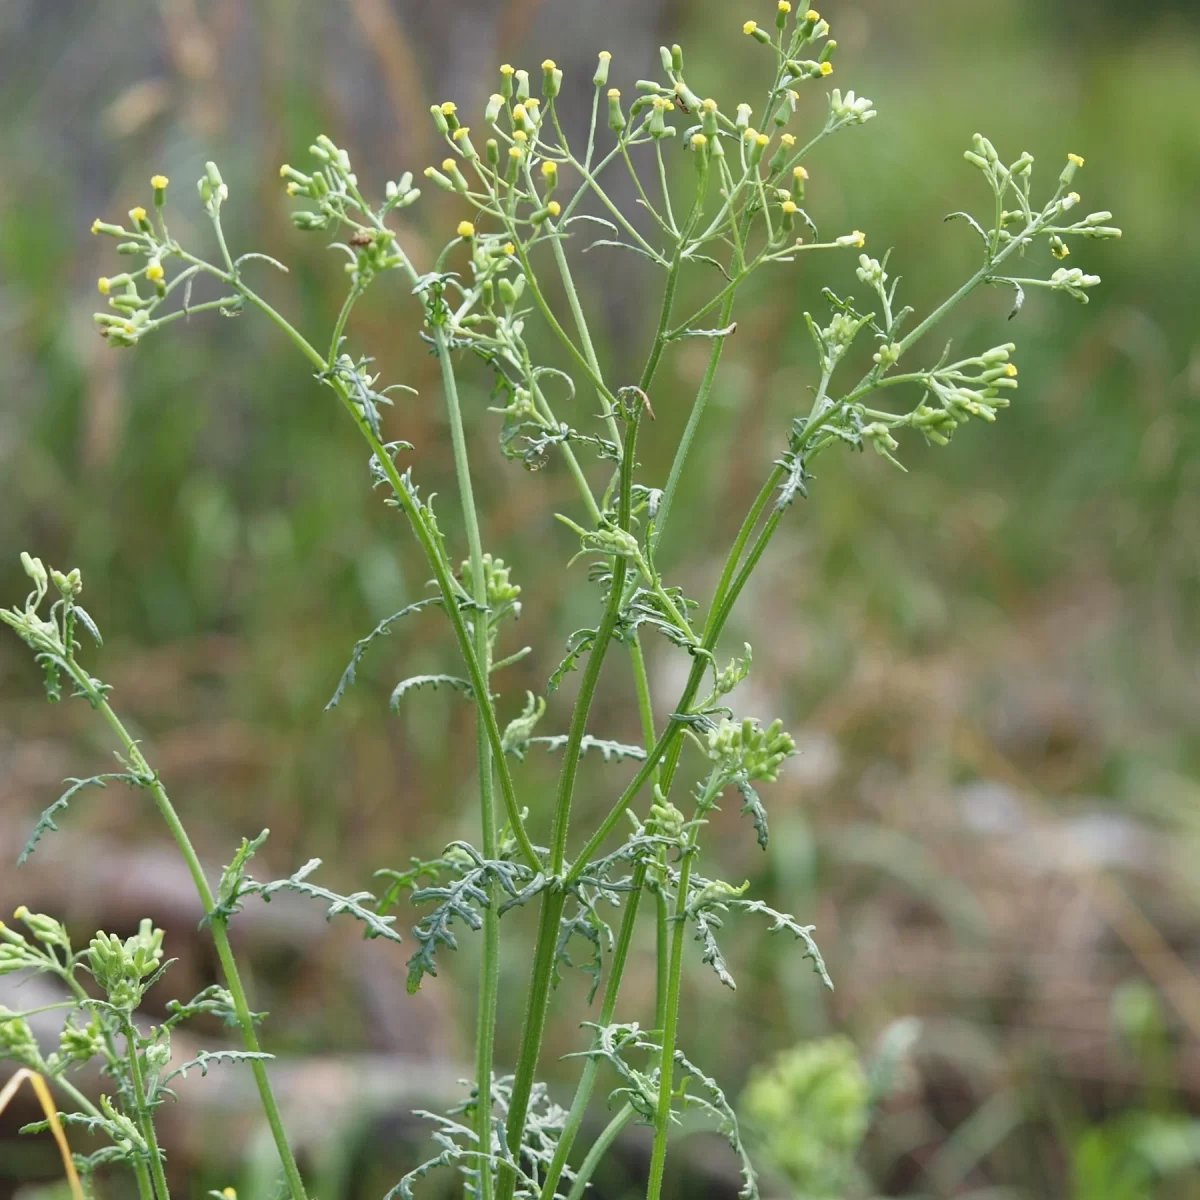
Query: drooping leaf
x=360, y=647
x=46, y=824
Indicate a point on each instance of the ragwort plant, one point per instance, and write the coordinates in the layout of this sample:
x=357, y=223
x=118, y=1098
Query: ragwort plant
x=738, y=210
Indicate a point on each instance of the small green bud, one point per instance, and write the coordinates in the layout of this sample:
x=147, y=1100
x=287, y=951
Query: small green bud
x=16, y=1038
x=551, y=79
x=616, y=118
x=601, y=76
x=522, y=92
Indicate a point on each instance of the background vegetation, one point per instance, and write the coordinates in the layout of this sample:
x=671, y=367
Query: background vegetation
x=989, y=664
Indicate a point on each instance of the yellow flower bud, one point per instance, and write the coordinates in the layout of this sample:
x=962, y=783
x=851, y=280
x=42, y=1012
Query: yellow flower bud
x=827, y=68
x=762, y=139
x=461, y=132
x=554, y=208
x=790, y=207
x=1075, y=159
x=800, y=173
x=102, y=285
x=515, y=152
x=812, y=15
x=158, y=182
x=1011, y=370
x=449, y=108
x=548, y=64
x=506, y=69
x=749, y=27
x=699, y=141
x=509, y=249
x=137, y=214
x=466, y=229
x=448, y=164
x=155, y=272
x=96, y=225
x=784, y=6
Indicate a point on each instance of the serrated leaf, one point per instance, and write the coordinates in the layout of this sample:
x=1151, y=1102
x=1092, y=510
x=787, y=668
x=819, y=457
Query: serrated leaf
x=578, y=644
x=975, y=225
x=45, y=823
x=802, y=933
x=377, y=926
x=610, y=751
x=431, y=681
x=360, y=647
x=212, y=1058
x=753, y=805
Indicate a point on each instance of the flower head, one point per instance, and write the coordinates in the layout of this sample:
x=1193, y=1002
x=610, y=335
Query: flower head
x=159, y=182
x=466, y=229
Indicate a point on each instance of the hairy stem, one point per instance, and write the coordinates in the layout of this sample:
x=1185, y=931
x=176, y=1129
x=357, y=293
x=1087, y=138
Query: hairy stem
x=220, y=935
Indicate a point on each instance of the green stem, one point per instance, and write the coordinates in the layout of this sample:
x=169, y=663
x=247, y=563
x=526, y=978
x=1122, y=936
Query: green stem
x=599, y=1149
x=220, y=934
x=142, y=1108
x=662, y=1115
x=554, y=898
x=489, y=971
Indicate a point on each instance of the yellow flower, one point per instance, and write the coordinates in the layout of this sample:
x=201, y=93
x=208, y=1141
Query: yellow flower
x=750, y=135
x=158, y=182
x=509, y=248
x=800, y=173
x=784, y=6
x=507, y=69
x=827, y=68
x=709, y=105
x=137, y=215
x=554, y=208
x=449, y=108
x=699, y=141
x=1075, y=159
x=21, y=913
x=548, y=64
x=604, y=54
x=812, y=15
x=749, y=27
x=532, y=102
x=466, y=229
x=762, y=139
x=461, y=132
x=860, y=238
x=448, y=164
x=102, y=285
x=155, y=272
x=787, y=139
x=1011, y=370
x=520, y=135
x=229, y=1194
x=614, y=93
x=515, y=152
x=96, y=225
x=790, y=207
x=519, y=112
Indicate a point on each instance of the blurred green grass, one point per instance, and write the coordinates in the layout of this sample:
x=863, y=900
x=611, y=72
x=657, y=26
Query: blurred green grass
x=1019, y=607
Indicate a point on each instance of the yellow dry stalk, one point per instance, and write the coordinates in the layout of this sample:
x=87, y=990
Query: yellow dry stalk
x=42, y=1091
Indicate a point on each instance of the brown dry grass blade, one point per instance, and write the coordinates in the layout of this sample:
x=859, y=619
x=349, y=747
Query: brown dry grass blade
x=42, y=1091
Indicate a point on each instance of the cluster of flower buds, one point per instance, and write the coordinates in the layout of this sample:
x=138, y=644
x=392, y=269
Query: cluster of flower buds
x=745, y=749
x=121, y=967
x=738, y=670
x=129, y=318
x=1072, y=281
x=333, y=188
x=849, y=109
x=16, y=1038
x=501, y=592
x=77, y=1044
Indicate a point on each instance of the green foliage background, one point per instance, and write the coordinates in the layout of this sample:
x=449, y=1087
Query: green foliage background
x=989, y=662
